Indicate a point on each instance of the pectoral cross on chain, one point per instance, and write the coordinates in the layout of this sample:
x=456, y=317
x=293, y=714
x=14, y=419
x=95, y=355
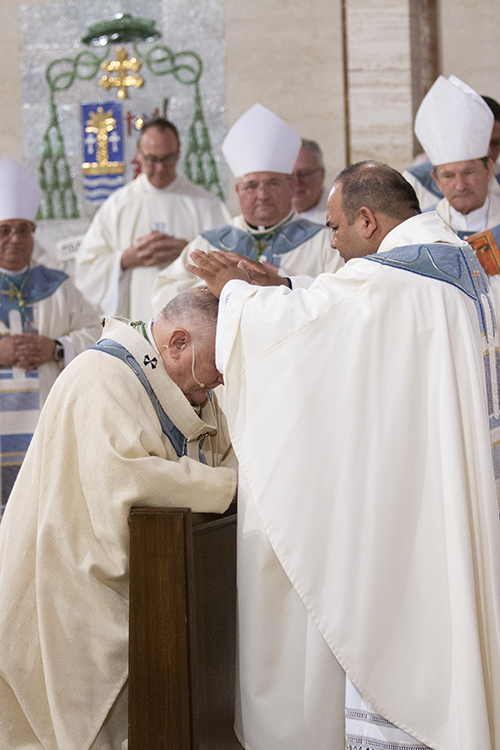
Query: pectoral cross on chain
x=10, y=293
x=259, y=246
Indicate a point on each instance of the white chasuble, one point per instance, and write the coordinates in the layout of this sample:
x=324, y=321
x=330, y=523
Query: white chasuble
x=369, y=539
x=109, y=437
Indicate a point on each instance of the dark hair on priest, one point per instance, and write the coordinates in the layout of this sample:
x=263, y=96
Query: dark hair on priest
x=160, y=123
x=380, y=188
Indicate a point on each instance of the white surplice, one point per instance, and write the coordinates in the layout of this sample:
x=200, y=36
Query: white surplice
x=368, y=521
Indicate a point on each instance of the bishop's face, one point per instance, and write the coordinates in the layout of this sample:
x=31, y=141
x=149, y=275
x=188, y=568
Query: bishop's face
x=464, y=183
x=16, y=243
x=265, y=197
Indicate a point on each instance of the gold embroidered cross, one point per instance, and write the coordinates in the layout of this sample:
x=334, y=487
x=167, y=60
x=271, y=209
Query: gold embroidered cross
x=122, y=77
x=10, y=292
x=259, y=246
x=13, y=291
x=102, y=123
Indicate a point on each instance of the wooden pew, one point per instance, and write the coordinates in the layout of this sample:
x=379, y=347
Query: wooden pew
x=182, y=630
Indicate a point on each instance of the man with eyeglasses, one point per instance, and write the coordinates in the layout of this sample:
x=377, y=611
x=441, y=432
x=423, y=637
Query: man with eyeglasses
x=261, y=151
x=143, y=227
x=44, y=321
x=310, y=195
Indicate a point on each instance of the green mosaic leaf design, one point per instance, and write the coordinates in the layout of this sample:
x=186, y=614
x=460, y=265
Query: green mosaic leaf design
x=59, y=201
x=54, y=174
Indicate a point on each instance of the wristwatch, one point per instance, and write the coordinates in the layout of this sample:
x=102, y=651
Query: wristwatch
x=58, y=351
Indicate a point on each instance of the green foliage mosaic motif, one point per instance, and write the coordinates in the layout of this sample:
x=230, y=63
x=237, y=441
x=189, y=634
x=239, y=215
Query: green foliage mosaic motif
x=60, y=201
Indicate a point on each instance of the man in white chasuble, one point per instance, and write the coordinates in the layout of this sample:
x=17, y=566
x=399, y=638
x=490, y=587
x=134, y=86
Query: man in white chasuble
x=132, y=421
x=364, y=409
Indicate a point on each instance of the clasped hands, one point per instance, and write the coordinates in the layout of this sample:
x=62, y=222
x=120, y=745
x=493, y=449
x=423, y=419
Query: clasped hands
x=26, y=350
x=155, y=249
x=217, y=267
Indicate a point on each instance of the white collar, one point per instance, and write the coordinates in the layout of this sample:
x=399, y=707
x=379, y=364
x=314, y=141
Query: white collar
x=423, y=228
x=260, y=230
x=151, y=338
x=14, y=273
x=474, y=221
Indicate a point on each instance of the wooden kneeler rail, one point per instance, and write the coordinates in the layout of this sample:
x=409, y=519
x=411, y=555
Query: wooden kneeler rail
x=182, y=630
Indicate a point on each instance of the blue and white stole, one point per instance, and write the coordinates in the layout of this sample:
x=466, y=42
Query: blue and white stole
x=459, y=266
x=19, y=389
x=267, y=246
x=175, y=436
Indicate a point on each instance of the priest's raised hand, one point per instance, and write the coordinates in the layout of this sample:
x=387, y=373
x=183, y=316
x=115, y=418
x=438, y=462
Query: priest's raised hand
x=216, y=270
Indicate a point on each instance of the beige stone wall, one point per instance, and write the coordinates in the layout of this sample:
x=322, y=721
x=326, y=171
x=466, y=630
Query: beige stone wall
x=288, y=56
x=379, y=68
x=10, y=97
x=470, y=43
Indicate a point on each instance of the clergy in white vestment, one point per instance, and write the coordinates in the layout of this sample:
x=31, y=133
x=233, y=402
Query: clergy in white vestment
x=261, y=150
x=420, y=174
x=454, y=124
x=364, y=411
x=44, y=321
x=310, y=194
x=132, y=421
x=143, y=226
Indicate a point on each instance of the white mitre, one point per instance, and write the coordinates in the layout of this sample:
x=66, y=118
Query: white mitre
x=453, y=122
x=20, y=193
x=260, y=141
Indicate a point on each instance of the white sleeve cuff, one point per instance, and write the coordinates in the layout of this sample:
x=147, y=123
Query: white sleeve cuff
x=69, y=351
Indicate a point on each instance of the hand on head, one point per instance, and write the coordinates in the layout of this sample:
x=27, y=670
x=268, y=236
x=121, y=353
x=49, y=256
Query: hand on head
x=216, y=269
x=226, y=266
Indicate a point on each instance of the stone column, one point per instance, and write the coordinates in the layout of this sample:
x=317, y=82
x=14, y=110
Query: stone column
x=390, y=60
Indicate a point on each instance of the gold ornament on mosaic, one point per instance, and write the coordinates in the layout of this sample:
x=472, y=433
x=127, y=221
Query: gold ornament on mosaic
x=101, y=123
x=122, y=77
x=107, y=129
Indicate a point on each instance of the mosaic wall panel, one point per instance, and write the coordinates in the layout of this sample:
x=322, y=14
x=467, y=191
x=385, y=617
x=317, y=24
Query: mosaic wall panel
x=183, y=71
